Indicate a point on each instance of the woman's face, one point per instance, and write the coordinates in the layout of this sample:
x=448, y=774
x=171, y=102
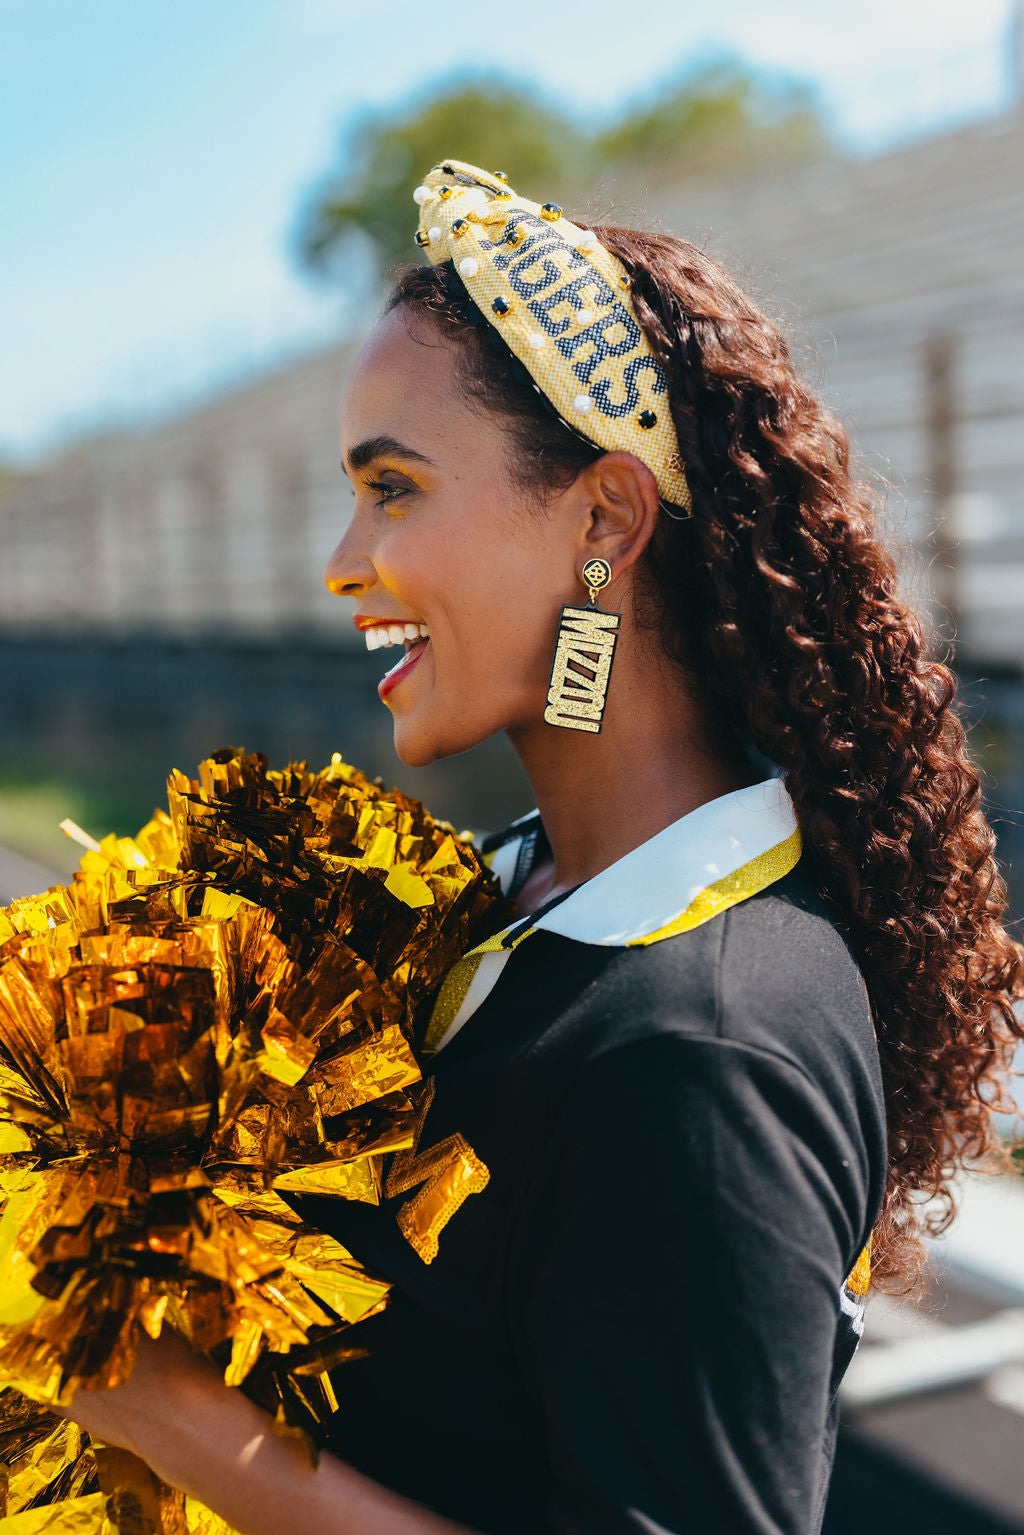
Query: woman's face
x=441, y=538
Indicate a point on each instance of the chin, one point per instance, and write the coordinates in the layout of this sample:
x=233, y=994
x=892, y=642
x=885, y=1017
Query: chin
x=418, y=744
x=413, y=751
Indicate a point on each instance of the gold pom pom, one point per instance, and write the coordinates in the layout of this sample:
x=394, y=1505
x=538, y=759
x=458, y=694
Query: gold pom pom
x=221, y=1008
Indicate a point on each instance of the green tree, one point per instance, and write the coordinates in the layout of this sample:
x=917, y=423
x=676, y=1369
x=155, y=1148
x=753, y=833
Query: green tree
x=483, y=122
x=721, y=119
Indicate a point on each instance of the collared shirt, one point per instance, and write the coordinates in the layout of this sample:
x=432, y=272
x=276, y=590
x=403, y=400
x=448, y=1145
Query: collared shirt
x=625, y=1246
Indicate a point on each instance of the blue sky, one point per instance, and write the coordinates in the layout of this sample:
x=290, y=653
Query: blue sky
x=153, y=156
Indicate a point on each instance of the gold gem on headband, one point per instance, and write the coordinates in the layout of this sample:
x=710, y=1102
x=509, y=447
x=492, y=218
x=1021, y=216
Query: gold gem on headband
x=562, y=304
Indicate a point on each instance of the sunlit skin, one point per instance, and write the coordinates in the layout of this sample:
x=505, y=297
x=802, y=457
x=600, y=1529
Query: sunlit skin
x=440, y=535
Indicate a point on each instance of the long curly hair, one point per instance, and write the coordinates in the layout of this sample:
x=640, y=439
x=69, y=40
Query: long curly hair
x=778, y=597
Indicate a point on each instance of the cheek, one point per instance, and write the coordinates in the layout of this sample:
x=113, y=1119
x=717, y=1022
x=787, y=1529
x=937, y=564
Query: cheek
x=480, y=570
x=411, y=563
x=499, y=610
x=500, y=645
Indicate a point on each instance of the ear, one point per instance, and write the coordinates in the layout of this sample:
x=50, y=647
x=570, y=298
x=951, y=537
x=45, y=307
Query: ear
x=622, y=501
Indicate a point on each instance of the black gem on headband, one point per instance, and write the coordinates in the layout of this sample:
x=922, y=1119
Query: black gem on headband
x=501, y=305
x=460, y=227
x=648, y=419
x=551, y=211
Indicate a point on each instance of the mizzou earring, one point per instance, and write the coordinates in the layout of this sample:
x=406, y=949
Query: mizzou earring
x=584, y=651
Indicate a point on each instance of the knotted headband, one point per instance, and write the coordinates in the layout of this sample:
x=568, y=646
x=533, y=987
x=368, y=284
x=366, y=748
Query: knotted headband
x=563, y=305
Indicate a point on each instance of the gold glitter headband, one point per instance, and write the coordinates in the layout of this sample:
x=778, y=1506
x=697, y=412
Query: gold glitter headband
x=562, y=304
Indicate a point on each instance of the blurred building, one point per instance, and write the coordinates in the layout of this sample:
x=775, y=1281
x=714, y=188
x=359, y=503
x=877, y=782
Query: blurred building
x=902, y=278
x=216, y=522
x=901, y=275
x=162, y=587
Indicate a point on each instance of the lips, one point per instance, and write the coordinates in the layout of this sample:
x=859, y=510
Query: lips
x=402, y=668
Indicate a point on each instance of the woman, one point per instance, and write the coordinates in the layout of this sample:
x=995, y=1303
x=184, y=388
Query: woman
x=741, y=1021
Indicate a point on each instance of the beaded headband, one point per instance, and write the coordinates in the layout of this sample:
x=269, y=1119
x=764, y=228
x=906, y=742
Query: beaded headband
x=562, y=304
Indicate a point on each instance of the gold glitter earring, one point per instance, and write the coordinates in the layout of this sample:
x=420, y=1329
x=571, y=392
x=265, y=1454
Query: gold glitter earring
x=584, y=651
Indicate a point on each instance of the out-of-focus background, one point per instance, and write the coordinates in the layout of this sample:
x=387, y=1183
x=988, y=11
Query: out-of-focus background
x=201, y=205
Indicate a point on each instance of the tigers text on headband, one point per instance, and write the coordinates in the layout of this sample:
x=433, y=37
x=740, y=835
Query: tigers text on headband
x=563, y=306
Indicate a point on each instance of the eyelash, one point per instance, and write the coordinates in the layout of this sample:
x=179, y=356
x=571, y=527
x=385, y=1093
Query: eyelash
x=388, y=493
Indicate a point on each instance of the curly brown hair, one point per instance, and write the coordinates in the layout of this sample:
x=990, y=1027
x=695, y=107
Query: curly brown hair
x=778, y=595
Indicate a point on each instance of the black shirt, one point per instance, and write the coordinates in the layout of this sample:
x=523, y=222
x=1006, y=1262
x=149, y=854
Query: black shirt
x=648, y=1171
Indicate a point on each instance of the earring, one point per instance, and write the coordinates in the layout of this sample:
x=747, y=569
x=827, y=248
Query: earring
x=584, y=652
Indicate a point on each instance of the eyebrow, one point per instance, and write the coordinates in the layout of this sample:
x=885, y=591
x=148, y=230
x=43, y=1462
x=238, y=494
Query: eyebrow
x=372, y=448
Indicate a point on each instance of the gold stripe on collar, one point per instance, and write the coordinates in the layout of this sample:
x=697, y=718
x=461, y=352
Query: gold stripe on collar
x=744, y=882
x=457, y=983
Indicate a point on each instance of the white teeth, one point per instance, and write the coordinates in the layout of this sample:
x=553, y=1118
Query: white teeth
x=382, y=635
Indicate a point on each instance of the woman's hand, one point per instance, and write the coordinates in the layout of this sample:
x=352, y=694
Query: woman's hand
x=136, y=1415
x=212, y=1443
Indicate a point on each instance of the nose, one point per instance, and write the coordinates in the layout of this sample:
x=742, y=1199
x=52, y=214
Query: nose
x=349, y=571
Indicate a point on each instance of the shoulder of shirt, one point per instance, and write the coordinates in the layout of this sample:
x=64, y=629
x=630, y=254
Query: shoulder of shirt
x=773, y=973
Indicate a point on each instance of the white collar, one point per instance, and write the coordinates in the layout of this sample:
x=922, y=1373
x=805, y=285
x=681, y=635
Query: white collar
x=720, y=854
x=644, y=895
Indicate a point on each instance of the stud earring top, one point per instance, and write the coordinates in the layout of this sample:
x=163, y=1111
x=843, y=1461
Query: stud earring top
x=596, y=575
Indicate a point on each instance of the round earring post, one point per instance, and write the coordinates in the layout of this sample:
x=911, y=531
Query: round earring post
x=596, y=575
